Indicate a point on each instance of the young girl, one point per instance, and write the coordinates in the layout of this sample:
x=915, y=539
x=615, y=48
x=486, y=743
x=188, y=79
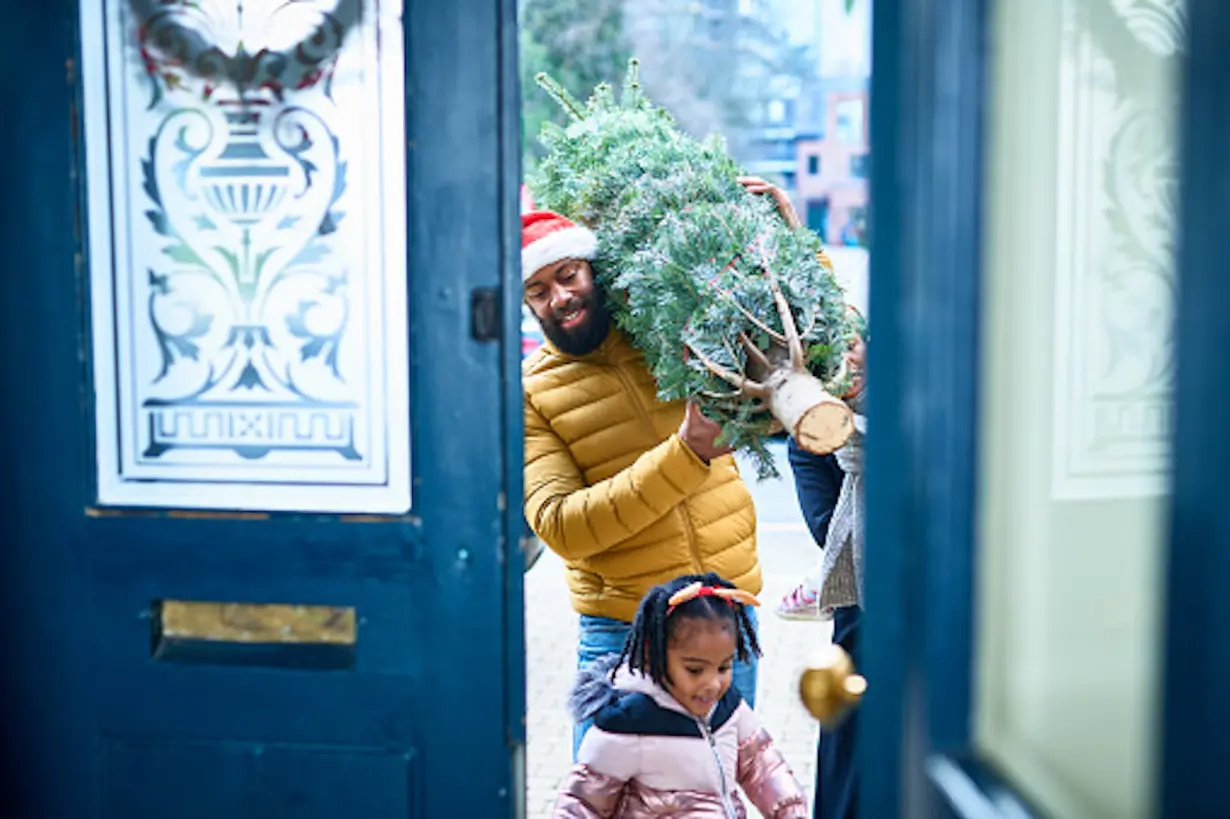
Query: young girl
x=671, y=737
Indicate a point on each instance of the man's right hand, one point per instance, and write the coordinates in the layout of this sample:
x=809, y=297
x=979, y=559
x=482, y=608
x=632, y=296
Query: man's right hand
x=700, y=434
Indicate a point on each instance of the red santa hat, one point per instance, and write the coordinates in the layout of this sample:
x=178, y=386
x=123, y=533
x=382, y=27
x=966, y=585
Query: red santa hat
x=547, y=238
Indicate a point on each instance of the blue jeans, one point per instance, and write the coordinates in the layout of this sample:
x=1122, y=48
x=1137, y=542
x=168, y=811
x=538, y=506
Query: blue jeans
x=601, y=636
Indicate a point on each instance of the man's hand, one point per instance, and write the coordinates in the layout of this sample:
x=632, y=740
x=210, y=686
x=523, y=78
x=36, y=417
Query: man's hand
x=755, y=184
x=699, y=434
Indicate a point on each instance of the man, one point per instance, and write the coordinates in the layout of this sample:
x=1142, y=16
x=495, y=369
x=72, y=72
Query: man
x=630, y=491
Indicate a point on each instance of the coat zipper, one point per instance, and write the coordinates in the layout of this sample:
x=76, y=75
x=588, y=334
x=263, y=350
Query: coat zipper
x=688, y=534
x=727, y=806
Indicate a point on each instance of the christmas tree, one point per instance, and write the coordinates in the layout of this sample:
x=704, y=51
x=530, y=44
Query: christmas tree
x=731, y=306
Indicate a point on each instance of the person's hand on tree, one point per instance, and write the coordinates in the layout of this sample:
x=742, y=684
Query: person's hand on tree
x=755, y=184
x=700, y=434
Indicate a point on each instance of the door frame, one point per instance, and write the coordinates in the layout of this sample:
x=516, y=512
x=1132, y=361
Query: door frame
x=1195, y=733
x=928, y=84
x=928, y=106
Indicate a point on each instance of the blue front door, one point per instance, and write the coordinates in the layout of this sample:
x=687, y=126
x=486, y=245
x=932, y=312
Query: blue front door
x=261, y=433
x=1047, y=543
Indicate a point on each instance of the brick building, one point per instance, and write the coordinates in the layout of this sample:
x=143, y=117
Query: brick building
x=830, y=175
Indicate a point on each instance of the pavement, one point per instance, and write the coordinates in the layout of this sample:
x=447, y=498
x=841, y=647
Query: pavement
x=787, y=552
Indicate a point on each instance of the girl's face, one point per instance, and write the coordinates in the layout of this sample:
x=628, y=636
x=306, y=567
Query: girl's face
x=699, y=660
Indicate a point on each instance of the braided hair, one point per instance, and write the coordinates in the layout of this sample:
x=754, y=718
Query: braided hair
x=652, y=629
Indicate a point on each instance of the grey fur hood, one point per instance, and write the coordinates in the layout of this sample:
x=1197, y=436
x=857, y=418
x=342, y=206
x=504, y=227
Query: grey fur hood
x=593, y=689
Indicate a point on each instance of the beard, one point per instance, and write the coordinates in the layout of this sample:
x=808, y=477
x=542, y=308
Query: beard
x=587, y=336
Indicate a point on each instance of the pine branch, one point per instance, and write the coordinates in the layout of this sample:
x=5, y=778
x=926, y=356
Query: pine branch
x=722, y=396
x=731, y=352
x=757, y=323
x=797, y=360
x=560, y=94
x=631, y=96
x=744, y=385
x=755, y=352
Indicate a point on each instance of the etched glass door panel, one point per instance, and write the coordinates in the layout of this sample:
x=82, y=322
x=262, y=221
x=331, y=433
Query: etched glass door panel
x=247, y=212
x=1076, y=380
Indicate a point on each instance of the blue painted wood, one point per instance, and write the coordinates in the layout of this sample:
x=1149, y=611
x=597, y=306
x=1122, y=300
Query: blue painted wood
x=927, y=102
x=884, y=621
x=1196, y=721
x=514, y=417
x=945, y=376
x=44, y=584
x=433, y=708
x=928, y=93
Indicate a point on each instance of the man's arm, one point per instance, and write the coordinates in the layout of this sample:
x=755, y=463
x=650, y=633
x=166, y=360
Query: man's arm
x=579, y=521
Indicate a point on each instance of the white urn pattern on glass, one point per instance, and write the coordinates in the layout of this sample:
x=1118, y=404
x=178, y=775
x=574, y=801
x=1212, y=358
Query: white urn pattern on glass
x=258, y=335
x=1115, y=241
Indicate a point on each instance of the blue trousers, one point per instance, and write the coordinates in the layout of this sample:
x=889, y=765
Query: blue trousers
x=601, y=636
x=837, y=754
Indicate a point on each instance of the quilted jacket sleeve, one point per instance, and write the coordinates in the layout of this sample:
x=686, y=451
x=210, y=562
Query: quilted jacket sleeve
x=579, y=521
x=763, y=774
x=587, y=794
x=594, y=786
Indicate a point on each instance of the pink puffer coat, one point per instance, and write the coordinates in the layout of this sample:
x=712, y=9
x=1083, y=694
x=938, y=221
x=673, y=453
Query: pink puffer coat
x=646, y=756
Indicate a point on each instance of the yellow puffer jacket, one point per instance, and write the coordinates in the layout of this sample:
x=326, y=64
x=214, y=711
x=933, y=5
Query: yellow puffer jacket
x=610, y=486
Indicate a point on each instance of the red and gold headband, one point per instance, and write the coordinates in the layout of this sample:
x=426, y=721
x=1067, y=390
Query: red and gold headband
x=698, y=589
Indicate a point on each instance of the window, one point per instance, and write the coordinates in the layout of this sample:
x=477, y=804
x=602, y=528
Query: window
x=813, y=165
x=848, y=121
x=858, y=166
x=818, y=217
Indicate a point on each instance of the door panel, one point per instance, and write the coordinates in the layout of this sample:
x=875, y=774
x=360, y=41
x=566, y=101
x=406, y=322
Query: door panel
x=1076, y=398
x=256, y=780
x=1071, y=645
x=114, y=713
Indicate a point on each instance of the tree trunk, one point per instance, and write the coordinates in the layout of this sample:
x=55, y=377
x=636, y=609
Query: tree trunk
x=818, y=422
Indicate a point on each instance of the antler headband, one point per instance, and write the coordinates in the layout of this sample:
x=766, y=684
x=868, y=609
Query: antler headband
x=698, y=589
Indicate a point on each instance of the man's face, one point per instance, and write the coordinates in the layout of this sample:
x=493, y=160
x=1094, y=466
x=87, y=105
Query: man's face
x=568, y=306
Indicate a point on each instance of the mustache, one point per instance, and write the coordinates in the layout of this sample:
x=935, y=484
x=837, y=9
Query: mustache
x=573, y=305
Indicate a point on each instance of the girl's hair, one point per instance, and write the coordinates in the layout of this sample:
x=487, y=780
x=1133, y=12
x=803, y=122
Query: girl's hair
x=645, y=648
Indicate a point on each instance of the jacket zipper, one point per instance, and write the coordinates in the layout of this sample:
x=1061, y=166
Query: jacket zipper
x=727, y=805
x=688, y=534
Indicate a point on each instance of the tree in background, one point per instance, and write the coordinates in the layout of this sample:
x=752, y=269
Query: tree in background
x=713, y=64
x=579, y=42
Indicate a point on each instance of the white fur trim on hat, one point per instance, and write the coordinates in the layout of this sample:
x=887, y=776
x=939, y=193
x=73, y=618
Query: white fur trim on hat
x=574, y=242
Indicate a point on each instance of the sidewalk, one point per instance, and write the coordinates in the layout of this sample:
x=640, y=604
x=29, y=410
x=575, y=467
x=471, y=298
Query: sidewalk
x=786, y=553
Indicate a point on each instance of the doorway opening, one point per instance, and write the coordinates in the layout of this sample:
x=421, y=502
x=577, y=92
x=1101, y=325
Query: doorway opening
x=785, y=83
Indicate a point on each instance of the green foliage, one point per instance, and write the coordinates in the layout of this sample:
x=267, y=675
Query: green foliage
x=580, y=42
x=688, y=258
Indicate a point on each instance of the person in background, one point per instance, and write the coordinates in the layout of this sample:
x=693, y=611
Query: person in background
x=830, y=493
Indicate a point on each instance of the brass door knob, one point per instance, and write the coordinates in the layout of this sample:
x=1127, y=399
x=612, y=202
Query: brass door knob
x=829, y=687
